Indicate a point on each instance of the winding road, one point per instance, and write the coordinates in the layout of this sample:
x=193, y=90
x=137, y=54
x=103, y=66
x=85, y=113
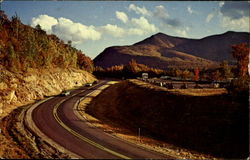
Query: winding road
x=56, y=119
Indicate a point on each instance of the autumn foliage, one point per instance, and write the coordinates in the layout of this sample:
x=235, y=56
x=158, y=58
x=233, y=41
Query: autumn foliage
x=131, y=70
x=241, y=53
x=23, y=47
x=239, y=87
x=196, y=74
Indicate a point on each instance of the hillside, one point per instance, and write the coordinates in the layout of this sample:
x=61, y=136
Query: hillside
x=34, y=65
x=216, y=47
x=23, y=47
x=164, y=51
x=211, y=123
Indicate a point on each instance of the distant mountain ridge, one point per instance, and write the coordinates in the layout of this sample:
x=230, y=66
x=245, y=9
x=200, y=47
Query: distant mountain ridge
x=164, y=51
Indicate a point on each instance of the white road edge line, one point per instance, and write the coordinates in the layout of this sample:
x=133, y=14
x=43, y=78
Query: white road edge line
x=32, y=126
x=79, y=135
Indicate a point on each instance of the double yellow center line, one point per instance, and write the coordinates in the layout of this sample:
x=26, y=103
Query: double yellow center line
x=85, y=139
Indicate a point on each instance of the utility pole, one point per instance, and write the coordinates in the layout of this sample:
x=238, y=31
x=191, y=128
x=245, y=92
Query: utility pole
x=139, y=134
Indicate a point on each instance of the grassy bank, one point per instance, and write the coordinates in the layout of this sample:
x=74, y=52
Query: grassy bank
x=211, y=123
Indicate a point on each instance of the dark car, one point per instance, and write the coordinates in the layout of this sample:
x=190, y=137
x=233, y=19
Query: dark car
x=88, y=84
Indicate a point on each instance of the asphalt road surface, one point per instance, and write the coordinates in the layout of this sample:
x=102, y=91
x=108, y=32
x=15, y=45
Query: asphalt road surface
x=56, y=119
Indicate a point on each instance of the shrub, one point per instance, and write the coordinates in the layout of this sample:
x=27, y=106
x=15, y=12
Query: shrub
x=239, y=87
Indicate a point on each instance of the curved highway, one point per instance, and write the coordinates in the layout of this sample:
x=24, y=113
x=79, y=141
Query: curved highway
x=57, y=120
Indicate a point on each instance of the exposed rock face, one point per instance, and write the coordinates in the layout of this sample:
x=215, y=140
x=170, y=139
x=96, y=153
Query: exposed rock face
x=22, y=88
x=163, y=51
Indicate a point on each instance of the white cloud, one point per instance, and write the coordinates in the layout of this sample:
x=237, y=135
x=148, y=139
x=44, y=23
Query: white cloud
x=221, y=3
x=66, y=29
x=236, y=24
x=135, y=31
x=76, y=32
x=161, y=12
x=121, y=16
x=139, y=10
x=182, y=33
x=191, y=11
x=113, y=30
x=45, y=21
x=235, y=15
x=210, y=16
x=142, y=23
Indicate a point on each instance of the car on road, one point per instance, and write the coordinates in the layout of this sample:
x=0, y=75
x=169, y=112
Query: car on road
x=88, y=84
x=65, y=93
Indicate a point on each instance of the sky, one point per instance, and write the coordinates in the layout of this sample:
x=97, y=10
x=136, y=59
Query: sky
x=93, y=26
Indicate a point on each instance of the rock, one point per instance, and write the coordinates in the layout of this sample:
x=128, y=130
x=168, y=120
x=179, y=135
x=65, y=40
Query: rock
x=14, y=86
x=3, y=86
x=1, y=109
x=29, y=78
x=11, y=97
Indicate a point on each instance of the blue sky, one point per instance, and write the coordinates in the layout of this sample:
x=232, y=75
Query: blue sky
x=93, y=26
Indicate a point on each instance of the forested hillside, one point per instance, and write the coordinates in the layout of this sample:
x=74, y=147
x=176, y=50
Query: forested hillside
x=34, y=65
x=23, y=47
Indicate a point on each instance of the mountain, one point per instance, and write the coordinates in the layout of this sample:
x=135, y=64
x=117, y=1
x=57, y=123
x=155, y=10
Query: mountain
x=164, y=51
x=216, y=47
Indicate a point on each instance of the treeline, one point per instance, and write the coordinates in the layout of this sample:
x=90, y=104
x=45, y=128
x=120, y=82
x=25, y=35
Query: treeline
x=23, y=47
x=222, y=73
x=133, y=70
x=130, y=70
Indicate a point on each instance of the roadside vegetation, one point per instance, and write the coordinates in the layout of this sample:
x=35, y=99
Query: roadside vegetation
x=239, y=87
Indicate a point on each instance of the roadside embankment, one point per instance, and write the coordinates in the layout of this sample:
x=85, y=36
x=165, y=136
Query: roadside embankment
x=206, y=121
x=18, y=140
x=17, y=89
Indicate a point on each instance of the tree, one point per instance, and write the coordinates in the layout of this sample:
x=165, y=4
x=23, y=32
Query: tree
x=241, y=53
x=216, y=75
x=70, y=43
x=240, y=87
x=38, y=27
x=196, y=74
x=16, y=22
x=185, y=74
x=133, y=66
x=177, y=72
x=225, y=70
x=84, y=62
